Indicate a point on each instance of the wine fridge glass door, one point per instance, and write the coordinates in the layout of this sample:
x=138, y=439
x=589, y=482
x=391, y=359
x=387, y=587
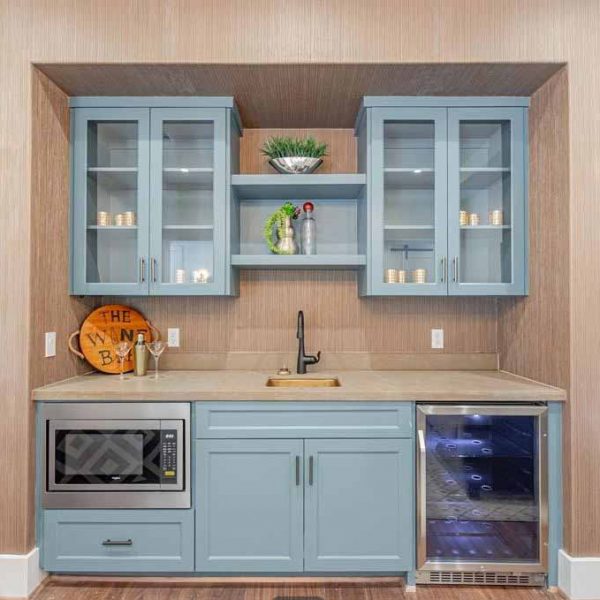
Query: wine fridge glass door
x=482, y=487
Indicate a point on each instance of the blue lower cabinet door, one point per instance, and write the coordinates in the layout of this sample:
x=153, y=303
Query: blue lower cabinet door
x=249, y=505
x=110, y=541
x=359, y=505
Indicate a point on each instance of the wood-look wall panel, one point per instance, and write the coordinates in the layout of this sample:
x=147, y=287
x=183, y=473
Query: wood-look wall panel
x=341, y=149
x=263, y=318
x=541, y=320
x=338, y=31
x=52, y=309
x=533, y=332
x=300, y=95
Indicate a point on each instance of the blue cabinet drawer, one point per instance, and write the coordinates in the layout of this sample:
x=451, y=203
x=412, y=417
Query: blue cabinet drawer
x=118, y=540
x=303, y=420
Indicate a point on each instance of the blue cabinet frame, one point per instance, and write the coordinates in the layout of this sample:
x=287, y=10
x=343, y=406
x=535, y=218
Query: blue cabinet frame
x=220, y=182
x=447, y=113
x=249, y=497
x=80, y=119
x=149, y=114
x=518, y=168
x=377, y=193
x=359, y=506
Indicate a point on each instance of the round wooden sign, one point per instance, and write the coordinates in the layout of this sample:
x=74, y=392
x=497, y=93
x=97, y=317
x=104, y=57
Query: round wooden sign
x=104, y=328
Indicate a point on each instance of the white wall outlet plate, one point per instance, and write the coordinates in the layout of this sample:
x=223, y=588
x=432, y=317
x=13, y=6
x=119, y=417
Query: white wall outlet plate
x=50, y=344
x=173, y=337
x=437, y=338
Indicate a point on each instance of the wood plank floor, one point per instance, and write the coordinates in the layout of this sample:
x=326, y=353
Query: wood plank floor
x=61, y=590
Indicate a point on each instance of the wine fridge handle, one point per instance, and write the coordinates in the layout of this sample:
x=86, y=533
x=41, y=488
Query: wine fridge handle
x=421, y=435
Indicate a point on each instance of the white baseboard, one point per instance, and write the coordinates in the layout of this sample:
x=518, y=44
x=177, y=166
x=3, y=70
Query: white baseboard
x=579, y=576
x=20, y=574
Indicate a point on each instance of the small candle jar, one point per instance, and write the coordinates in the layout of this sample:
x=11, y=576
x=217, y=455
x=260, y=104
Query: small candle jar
x=119, y=219
x=103, y=218
x=180, y=276
x=463, y=218
x=200, y=276
x=419, y=275
x=496, y=217
x=474, y=219
x=390, y=276
x=129, y=218
x=401, y=276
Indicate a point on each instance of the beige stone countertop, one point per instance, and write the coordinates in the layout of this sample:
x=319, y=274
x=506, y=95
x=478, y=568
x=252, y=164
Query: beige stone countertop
x=491, y=386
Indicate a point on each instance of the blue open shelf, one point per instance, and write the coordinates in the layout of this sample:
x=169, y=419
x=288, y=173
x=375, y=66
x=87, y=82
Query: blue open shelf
x=330, y=186
x=298, y=261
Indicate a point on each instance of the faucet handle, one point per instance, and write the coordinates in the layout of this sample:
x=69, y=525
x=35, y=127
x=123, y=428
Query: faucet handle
x=318, y=357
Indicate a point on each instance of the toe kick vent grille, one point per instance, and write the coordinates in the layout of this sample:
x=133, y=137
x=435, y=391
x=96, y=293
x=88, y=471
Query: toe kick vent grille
x=480, y=578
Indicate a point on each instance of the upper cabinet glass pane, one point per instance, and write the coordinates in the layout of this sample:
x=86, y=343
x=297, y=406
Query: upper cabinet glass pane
x=112, y=144
x=112, y=202
x=485, y=202
x=188, y=144
x=187, y=202
x=409, y=202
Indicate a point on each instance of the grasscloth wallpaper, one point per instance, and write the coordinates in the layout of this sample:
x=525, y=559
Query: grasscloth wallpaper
x=337, y=31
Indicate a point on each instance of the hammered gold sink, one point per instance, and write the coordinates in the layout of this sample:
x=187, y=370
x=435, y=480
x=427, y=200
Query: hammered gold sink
x=303, y=382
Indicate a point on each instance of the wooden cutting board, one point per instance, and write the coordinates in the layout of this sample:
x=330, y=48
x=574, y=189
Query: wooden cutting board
x=103, y=329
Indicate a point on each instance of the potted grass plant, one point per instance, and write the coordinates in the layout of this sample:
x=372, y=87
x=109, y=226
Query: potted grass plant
x=294, y=155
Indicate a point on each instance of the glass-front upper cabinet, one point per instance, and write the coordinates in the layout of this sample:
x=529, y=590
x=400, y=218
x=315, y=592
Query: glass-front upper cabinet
x=486, y=201
x=408, y=201
x=150, y=194
x=110, y=192
x=187, y=240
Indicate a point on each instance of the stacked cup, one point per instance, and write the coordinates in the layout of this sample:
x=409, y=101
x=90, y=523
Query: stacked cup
x=103, y=218
x=420, y=276
x=496, y=217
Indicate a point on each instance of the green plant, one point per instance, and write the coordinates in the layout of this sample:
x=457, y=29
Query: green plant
x=280, y=147
x=276, y=220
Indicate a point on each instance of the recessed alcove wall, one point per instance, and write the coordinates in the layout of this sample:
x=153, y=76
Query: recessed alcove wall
x=531, y=335
x=263, y=317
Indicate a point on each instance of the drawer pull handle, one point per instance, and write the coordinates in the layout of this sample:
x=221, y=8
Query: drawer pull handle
x=117, y=543
x=297, y=470
x=311, y=468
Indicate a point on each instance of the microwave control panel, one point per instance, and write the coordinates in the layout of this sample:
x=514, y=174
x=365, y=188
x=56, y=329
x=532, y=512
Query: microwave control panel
x=168, y=454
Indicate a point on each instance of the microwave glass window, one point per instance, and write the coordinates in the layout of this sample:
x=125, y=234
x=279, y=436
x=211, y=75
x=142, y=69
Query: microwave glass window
x=104, y=454
x=86, y=456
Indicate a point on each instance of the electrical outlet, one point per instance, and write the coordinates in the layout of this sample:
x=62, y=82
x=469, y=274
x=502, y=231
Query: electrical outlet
x=50, y=344
x=173, y=337
x=437, y=338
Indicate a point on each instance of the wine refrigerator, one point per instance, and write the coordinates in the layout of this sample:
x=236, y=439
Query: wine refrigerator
x=482, y=494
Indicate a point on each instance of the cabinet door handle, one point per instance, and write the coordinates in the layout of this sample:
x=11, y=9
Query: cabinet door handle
x=143, y=269
x=297, y=470
x=455, y=267
x=311, y=468
x=153, y=270
x=117, y=542
x=443, y=268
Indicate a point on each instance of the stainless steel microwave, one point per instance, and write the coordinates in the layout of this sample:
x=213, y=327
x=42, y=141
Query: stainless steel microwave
x=116, y=455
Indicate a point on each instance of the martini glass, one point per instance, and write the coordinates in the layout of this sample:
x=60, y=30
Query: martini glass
x=123, y=349
x=156, y=348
